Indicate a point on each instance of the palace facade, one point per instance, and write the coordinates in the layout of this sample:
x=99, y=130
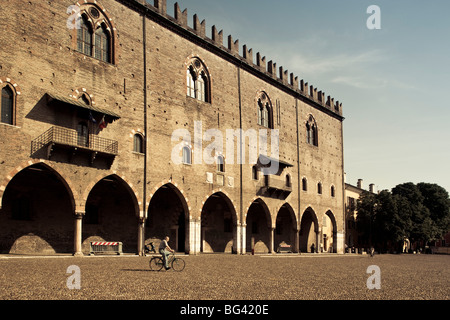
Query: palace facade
x=120, y=122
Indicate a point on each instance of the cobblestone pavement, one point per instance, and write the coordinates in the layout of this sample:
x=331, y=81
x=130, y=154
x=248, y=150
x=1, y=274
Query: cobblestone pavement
x=228, y=277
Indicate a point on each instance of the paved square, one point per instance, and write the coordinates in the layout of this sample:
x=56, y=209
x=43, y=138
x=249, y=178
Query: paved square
x=225, y=277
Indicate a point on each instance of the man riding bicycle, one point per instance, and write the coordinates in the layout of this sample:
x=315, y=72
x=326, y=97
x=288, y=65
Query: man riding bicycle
x=165, y=250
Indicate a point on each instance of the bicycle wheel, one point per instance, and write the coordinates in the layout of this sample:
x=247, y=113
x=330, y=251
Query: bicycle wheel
x=156, y=264
x=178, y=264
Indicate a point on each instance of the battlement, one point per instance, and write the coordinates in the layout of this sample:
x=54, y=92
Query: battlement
x=232, y=47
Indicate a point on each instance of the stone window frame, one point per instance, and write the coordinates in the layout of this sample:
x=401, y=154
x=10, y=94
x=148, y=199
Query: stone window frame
x=264, y=110
x=184, y=159
x=312, y=131
x=198, y=80
x=16, y=92
x=100, y=19
x=138, y=143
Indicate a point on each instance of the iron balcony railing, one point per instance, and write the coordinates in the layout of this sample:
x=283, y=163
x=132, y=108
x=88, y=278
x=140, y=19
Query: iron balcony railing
x=70, y=137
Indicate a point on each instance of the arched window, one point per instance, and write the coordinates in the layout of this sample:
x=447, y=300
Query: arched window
x=288, y=180
x=332, y=191
x=138, y=143
x=220, y=163
x=265, y=114
x=190, y=82
x=85, y=99
x=304, y=184
x=7, y=107
x=319, y=188
x=102, y=44
x=255, y=173
x=95, y=35
x=84, y=37
x=187, y=159
x=198, y=82
x=312, y=136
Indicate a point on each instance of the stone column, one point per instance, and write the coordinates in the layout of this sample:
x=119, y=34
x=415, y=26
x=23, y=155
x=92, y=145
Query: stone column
x=194, y=236
x=296, y=246
x=141, y=236
x=78, y=234
x=243, y=238
x=237, y=239
x=271, y=239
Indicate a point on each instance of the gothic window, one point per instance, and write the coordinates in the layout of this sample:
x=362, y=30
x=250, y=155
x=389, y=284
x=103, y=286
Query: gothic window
x=198, y=82
x=220, y=163
x=94, y=37
x=255, y=173
x=84, y=37
x=138, y=143
x=312, y=136
x=265, y=113
x=187, y=159
x=7, y=106
x=102, y=44
x=190, y=82
x=304, y=184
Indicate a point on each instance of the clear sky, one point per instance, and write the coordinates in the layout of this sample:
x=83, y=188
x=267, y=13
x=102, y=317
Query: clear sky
x=393, y=82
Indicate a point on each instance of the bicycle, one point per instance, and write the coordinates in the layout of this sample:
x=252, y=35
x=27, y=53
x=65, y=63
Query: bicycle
x=156, y=263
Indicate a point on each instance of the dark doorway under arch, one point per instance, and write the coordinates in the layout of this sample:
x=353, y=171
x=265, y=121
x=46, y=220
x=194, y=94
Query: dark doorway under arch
x=111, y=214
x=37, y=215
x=167, y=216
x=218, y=227
x=309, y=228
x=258, y=228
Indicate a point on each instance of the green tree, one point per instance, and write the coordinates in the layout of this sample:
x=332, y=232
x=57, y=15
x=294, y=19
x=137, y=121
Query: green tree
x=418, y=212
x=436, y=200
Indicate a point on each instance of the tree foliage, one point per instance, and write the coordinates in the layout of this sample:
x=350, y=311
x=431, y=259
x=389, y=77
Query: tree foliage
x=417, y=212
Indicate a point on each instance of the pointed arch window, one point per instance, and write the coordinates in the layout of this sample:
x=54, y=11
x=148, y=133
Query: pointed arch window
x=312, y=136
x=265, y=114
x=198, y=81
x=138, y=143
x=220, y=163
x=304, y=184
x=187, y=159
x=102, y=44
x=95, y=35
x=84, y=37
x=319, y=188
x=7, y=106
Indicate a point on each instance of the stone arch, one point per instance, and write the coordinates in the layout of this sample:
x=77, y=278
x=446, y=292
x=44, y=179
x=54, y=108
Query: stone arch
x=330, y=240
x=178, y=189
x=285, y=227
x=219, y=224
x=48, y=165
x=309, y=230
x=259, y=225
x=137, y=202
x=112, y=212
x=168, y=214
x=38, y=206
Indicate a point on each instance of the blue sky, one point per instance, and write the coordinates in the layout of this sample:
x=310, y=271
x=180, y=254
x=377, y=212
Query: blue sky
x=393, y=82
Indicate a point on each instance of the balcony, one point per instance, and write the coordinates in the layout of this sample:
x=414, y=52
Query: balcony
x=70, y=142
x=274, y=187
